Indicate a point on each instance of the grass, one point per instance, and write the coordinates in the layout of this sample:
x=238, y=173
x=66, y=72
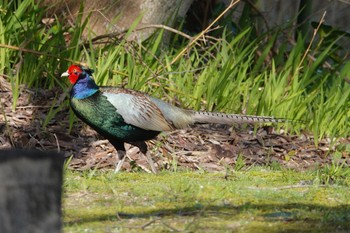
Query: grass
x=257, y=200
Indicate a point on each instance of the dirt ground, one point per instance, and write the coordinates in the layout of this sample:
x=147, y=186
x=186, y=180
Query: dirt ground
x=207, y=147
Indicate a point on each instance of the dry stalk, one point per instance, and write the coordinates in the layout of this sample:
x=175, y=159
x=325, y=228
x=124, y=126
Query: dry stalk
x=312, y=40
x=232, y=4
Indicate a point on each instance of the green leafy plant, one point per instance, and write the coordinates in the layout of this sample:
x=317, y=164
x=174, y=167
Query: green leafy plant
x=243, y=72
x=334, y=173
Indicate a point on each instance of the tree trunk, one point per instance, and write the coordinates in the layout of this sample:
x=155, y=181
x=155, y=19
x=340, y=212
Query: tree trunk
x=108, y=16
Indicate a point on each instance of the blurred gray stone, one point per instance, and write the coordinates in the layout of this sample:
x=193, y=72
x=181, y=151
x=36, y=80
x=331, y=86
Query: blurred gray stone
x=30, y=191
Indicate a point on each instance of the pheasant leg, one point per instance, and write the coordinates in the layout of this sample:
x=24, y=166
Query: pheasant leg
x=150, y=162
x=143, y=149
x=121, y=155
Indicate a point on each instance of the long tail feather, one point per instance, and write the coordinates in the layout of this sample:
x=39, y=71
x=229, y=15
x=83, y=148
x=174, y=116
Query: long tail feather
x=222, y=118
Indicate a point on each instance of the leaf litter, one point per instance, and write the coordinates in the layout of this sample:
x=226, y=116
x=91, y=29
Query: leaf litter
x=206, y=147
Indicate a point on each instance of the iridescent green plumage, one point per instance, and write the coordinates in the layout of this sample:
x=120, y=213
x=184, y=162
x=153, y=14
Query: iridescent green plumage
x=102, y=116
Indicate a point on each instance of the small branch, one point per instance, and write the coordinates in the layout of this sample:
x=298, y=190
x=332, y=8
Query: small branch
x=233, y=3
x=36, y=106
x=170, y=227
x=306, y=54
x=288, y=187
x=39, y=53
x=122, y=33
x=34, y=52
x=147, y=224
x=139, y=227
x=312, y=40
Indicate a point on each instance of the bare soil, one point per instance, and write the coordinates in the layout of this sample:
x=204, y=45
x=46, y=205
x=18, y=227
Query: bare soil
x=207, y=147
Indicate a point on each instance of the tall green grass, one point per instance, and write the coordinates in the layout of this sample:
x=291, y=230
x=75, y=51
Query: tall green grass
x=266, y=75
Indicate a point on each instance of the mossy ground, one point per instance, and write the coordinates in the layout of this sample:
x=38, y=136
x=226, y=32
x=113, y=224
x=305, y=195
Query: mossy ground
x=257, y=200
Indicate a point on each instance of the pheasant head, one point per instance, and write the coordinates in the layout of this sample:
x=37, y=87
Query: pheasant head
x=83, y=85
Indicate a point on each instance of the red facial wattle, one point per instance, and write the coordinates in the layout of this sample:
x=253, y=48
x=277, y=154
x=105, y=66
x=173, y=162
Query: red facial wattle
x=73, y=78
x=74, y=71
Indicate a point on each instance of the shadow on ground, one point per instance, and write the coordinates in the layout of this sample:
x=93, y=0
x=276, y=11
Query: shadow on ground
x=293, y=217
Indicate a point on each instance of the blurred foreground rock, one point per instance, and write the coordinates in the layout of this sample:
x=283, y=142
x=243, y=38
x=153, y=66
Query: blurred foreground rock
x=30, y=191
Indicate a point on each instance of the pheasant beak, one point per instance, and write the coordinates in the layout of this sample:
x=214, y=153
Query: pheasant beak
x=65, y=74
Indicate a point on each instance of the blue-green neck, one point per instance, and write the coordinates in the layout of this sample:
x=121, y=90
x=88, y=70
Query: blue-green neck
x=84, y=87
